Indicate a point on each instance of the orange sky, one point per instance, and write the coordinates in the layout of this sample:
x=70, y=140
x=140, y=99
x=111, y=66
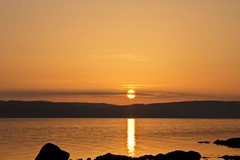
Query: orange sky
x=95, y=50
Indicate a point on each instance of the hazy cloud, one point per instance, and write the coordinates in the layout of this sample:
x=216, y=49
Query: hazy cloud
x=106, y=93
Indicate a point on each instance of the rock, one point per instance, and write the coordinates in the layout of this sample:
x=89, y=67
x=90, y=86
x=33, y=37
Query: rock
x=181, y=155
x=145, y=157
x=110, y=156
x=232, y=142
x=205, y=157
x=226, y=157
x=159, y=157
x=206, y=142
x=88, y=158
x=52, y=152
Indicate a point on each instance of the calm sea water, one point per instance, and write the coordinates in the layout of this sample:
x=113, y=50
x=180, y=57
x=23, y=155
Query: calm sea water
x=22, y=138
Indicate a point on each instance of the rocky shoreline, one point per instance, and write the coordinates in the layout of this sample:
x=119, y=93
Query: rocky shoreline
x=175, y=155
x=52, y=152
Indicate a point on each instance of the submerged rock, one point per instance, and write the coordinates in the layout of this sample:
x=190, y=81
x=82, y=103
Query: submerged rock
x=52, y=152
x=206, y=142
x=232, y=142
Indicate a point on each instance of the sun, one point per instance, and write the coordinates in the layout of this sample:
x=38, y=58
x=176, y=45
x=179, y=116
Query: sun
x=131, y=94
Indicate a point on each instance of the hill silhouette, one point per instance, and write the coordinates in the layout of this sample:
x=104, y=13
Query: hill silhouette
x=191, y=109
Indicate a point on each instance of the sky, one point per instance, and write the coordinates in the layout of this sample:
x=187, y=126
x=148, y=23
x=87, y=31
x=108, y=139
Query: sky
x=95, y=51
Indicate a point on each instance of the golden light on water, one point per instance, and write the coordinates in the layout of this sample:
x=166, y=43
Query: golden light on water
x=131, y=143
x=131, y=94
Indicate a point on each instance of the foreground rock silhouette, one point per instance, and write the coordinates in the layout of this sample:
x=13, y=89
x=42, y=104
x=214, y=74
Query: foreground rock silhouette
x=175, y=155
x=232, y=142
x=52, y=152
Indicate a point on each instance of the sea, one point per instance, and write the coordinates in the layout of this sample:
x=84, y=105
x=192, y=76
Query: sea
x=22, y=139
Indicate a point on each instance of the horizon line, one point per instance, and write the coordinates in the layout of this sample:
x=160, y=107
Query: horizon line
x=185, y=101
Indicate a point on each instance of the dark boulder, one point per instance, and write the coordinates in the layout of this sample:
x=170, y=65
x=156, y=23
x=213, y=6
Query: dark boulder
x=226, y=157
x=145, y=157
x=181, y=155
x=110, y=156
x=52, y=152
x=232, y=142
x=159, y=157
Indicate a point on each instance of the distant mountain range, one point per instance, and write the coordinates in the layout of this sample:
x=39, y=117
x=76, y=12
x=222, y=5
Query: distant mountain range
x=191, y=109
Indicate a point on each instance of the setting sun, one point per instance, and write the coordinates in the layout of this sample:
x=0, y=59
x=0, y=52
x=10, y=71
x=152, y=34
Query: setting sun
x=131, y=94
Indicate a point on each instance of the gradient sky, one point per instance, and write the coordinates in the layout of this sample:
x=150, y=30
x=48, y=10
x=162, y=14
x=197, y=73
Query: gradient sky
x=95, y=50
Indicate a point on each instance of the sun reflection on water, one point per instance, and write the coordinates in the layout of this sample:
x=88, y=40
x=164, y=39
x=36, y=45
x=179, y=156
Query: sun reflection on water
x=131, y=143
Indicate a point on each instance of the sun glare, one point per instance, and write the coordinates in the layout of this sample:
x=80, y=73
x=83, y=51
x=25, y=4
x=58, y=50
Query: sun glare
x=131, y=94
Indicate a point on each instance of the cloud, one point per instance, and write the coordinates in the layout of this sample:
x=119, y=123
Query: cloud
x=59, y=93
x=101, y=93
